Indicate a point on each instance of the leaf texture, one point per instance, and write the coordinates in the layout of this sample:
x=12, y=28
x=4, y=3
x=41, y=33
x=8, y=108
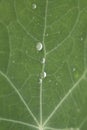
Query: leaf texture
x=28, y=99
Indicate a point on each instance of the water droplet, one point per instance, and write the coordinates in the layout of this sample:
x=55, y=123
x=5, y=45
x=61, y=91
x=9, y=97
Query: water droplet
x=39, y=46
x=34, y=6
x=74, y=69
x=44, y=74
x=43, y=60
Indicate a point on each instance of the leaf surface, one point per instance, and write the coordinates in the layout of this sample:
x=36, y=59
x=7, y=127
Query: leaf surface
x=28, y=100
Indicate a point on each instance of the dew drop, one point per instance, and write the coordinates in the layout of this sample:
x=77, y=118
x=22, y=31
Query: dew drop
x=34, y=6
x=39, y=46
x=74, y=69
x=44, y=75
x=43, y=60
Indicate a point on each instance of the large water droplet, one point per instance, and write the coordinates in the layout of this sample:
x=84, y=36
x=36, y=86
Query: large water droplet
x=43, y=60
x=34, y=6
x=44, y=75
x=39, y=46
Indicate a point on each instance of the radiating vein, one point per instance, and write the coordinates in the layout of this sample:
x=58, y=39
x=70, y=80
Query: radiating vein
x=9, y=51
x=85, y=53
x=83, y=122
x=50, y=128
x=22, y=99
x=43, y=67
x=21, y=25
x=27, y=32
x=56, y=21
x=65, y=97
x=18, y=122
x=52, y=50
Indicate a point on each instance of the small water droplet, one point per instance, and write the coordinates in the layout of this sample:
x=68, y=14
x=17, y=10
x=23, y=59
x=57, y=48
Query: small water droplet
x=34, y=6
x=74, y=69
x=44, y=75
x=39, y=46
x=43, y=60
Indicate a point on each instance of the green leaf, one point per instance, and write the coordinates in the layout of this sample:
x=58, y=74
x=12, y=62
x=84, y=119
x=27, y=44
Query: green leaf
x=43, y=64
